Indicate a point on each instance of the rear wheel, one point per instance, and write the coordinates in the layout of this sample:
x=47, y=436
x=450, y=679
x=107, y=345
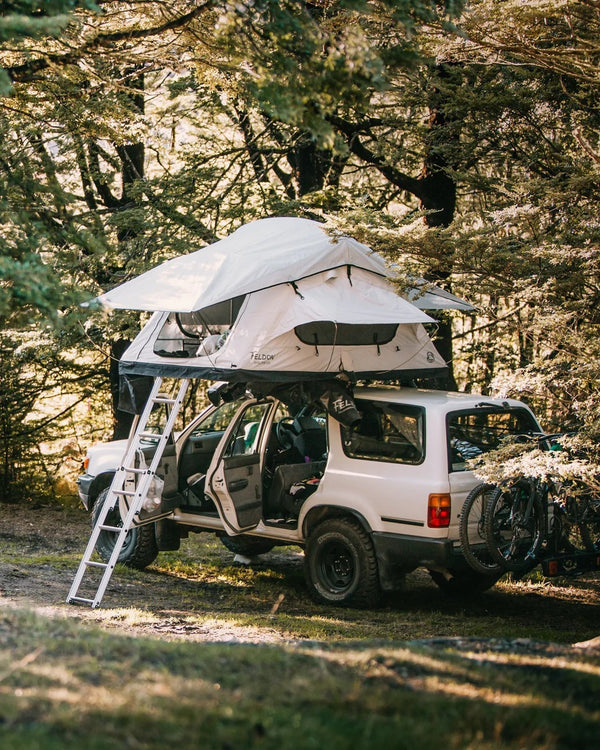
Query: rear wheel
x=139, y=548
x=340, y=564
x=472, y=532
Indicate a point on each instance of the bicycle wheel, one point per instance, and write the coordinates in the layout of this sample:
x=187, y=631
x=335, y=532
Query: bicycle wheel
x=514, y=526
x=576, y=524
x=471, y=532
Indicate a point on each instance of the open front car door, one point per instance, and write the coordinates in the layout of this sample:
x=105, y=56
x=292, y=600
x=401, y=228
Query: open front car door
x=235, y=477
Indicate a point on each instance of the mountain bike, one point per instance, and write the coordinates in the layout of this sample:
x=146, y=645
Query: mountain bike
x=517, y=523
x=525, y=521
x=531, y=520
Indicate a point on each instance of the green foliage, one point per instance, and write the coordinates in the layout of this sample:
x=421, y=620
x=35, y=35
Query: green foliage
x=32, y=19
x=307, y=61
x=41, y=390
x=466, y=154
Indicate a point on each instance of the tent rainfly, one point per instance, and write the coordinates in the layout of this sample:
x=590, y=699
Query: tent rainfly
x=256, y=256
x=278, y=300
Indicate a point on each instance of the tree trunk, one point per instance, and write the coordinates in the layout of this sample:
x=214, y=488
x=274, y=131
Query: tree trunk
x=122, y=421
x=438, y=196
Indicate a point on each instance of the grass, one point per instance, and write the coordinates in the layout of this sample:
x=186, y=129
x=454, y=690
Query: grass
x=163, y=662
x=65, y=685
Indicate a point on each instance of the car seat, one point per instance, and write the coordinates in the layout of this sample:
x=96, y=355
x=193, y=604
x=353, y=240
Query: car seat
x=311, y=442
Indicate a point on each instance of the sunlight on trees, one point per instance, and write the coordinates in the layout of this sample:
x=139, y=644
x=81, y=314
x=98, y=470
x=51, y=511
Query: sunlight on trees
x=462, y=146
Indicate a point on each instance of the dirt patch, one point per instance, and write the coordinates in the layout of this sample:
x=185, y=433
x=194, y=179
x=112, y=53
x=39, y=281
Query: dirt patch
x=214, y=600
x=58, y=537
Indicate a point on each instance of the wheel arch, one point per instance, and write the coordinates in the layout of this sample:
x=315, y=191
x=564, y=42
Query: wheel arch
x=99, y=483
x=320, y=513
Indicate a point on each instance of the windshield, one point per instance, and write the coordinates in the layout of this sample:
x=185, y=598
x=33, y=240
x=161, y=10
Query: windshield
x=472, y=433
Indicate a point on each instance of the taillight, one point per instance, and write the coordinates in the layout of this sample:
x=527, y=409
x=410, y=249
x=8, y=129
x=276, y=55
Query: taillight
x=438, y=511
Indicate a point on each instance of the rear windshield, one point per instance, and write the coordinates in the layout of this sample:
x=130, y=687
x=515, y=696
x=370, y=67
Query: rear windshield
x=472, y=433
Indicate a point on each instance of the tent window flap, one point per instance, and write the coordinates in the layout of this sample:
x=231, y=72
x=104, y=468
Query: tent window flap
x=329, y=333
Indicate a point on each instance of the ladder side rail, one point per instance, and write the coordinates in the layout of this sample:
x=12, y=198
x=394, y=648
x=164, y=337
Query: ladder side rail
x=100, y=522
x=133, y=443
x=117, y=486
x=168, y=428
x=144, y=484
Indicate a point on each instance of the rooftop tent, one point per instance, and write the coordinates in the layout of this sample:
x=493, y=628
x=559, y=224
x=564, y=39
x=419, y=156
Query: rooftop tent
x=315, y=327
x=257, y=256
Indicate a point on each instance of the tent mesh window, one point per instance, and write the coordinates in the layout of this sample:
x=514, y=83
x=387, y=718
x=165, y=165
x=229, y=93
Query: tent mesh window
x=329, y=333
x=198, y=333
x=180, y=336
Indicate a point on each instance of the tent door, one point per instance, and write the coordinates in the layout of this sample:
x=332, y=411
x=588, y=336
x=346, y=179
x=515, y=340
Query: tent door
x=236, y=481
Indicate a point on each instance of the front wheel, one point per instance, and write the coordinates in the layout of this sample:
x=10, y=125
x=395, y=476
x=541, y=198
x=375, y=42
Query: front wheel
x=340, y=564
x=139, y=548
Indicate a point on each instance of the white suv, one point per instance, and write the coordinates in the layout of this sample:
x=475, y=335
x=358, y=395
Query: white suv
x=368, y=503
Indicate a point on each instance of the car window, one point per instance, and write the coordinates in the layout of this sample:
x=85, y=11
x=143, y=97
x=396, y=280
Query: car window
x=218, y=420
x=386, y=432
x=245, y=439
x=472, y=433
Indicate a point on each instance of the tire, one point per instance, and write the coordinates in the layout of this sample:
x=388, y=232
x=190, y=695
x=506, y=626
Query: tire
x=340, y=565
x=247, y=545
x=590, y=523
x=472, y=533
x=514, y=541
x=576, y=525
x=463, y=584
x=139, y=548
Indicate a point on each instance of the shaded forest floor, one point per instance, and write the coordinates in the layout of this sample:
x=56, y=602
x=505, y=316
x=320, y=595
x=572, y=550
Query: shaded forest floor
x=199, y=593
x=202, y=652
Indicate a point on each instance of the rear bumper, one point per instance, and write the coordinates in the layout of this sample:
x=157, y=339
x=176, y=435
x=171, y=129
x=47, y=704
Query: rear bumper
x=398, y=554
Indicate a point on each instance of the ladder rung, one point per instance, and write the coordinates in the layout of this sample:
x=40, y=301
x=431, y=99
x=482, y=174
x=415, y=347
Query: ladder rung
x=141, y=431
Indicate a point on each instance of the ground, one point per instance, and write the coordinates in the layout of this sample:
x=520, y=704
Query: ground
x=199, y=593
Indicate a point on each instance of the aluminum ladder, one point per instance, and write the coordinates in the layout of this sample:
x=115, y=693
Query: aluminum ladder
x=119, y=489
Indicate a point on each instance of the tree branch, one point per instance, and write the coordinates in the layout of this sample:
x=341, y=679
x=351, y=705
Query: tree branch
x=401, y=180
x=24, y=72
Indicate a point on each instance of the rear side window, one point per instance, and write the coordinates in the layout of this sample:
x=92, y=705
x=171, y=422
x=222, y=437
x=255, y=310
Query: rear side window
x=472, y=433
x=386, y=432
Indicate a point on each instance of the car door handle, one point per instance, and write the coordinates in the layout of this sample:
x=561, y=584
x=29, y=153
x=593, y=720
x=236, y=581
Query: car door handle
x=238, y=484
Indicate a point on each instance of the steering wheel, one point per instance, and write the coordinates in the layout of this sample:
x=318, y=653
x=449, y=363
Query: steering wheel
x=285, y=431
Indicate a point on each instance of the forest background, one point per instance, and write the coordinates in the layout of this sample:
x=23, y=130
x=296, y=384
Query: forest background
x=459, y=139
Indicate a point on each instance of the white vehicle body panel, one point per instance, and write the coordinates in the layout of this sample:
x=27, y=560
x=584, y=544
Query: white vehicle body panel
x=389, y=498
